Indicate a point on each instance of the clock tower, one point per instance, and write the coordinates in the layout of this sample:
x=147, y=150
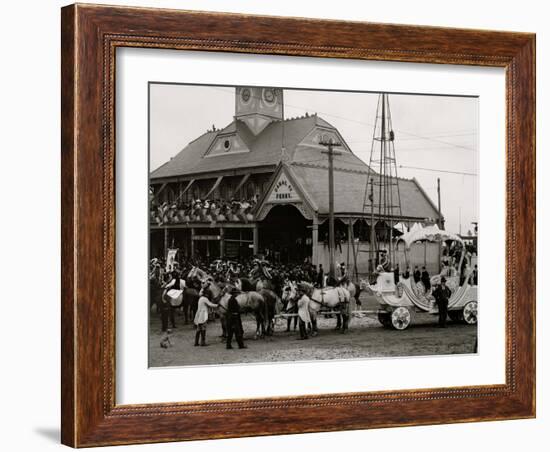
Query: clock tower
x=257, y=107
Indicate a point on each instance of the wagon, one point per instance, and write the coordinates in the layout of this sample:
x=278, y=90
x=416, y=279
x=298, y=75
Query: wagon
x=399, y=302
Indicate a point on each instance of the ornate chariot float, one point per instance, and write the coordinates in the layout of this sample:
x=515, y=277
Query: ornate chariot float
x=399, y=302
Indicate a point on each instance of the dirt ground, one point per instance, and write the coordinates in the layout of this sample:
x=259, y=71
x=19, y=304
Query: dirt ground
x=366, y=338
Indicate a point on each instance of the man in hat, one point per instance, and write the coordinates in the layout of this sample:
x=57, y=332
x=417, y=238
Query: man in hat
x=320, y=278
x=425, y=278
x=343, y=278
x=303, y=311
x=442, y=294
x=168, y=307
x=416, y=275
x=234, y=322
x=384, y=262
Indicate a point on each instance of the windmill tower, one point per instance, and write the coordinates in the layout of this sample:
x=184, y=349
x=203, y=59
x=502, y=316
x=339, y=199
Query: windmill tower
x=382, y=200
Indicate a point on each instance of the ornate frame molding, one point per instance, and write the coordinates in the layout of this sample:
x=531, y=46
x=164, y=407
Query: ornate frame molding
x=90, y=36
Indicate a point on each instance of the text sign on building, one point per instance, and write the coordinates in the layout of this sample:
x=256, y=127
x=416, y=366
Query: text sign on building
x=283, y=191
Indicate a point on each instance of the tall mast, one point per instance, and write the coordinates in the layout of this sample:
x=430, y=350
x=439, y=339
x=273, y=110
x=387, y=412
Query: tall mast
x=386, y=210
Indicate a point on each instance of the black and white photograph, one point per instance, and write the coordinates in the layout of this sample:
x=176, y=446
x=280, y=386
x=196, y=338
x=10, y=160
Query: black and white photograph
x=292, y=224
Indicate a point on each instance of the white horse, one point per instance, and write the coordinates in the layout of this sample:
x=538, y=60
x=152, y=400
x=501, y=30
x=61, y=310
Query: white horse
x=331, y=298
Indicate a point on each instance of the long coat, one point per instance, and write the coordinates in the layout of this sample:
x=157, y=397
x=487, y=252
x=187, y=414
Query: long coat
x=202, y=310
x=303, y=309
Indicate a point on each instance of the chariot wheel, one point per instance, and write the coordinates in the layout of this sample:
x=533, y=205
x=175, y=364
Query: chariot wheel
x=401, y=318
x=385, y=319
x=456, y=316
x=470, y=313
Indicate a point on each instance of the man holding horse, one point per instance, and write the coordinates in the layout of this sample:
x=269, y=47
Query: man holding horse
x=201, y=317
x=234, y=322
x=169, y=299
x=303, y=311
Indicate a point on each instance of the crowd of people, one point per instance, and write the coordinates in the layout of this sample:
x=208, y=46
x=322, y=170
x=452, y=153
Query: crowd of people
x=231, y=273
x=208, y=210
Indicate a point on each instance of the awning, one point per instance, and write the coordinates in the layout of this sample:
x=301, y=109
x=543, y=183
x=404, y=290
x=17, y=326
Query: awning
x=431, y=234
x=216, y=185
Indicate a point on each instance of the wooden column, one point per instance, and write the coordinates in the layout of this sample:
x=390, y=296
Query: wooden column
x=192, y=243
x=165, y=241
x=315, y=241
x=222, y=243
x=255, y=238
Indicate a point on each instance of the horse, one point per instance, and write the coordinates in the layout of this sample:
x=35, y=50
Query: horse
x=256, y=285
x=155, y=293
x=252, y=302
x=331, y=297
x=273, y=306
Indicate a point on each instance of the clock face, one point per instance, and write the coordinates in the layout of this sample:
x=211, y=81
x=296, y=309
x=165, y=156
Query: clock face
x=269, y=95
x=245, y=95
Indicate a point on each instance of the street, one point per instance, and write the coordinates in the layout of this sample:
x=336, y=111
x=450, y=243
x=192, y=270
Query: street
x=366, y=338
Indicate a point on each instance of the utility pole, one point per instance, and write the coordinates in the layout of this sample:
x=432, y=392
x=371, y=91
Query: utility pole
x=331, y=153
x=439, y=222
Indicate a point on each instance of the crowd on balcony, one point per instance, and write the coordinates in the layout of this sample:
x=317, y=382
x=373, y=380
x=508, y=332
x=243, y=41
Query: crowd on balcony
x=203, y=211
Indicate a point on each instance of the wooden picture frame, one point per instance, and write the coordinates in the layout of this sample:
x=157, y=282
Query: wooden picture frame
x=90, y=36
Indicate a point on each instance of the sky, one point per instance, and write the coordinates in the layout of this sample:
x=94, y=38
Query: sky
x=435, y=136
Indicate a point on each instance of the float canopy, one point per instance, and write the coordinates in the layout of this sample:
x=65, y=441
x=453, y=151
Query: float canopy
x=429, y=233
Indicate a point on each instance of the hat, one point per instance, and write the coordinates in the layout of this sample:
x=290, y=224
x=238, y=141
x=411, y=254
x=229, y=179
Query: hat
x=443, y=279
x=302, y=287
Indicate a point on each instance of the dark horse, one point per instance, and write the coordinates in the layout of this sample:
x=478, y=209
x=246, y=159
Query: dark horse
x=155, y=293
x=273, y=306
x=252, y=302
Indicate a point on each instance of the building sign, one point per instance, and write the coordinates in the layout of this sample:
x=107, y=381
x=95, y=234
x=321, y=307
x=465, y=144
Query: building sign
x=283, y=191
x=206, y=237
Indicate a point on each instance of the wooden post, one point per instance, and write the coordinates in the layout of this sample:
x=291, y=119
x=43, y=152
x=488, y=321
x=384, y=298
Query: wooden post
x=315, y=241
x=255, y=239
x=165, y=241
x=331, y=242
x=222, y=243
x=192, y=243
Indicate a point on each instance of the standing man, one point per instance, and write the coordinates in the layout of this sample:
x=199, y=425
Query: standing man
x=425, y=278
x=343, y=279
x=201, y=317
x=234, y=322
x=320, y=277
x=303, y=311
x=442, y=295
x=396, y=274
x=384, y=262
x=416, y=275
x=172, y=292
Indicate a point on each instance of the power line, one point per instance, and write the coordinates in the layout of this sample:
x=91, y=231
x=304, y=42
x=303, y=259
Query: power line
x=438, y=170
x=301, y=107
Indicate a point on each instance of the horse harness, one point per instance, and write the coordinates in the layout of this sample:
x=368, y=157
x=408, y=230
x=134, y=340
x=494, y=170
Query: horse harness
x=339, y=291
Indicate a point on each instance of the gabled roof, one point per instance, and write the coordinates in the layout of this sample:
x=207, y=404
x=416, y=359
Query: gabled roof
x=349, y=191
x=265, y=149
x=306, y=164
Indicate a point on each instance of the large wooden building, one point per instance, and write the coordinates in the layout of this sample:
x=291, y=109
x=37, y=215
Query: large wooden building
x=276, y=170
